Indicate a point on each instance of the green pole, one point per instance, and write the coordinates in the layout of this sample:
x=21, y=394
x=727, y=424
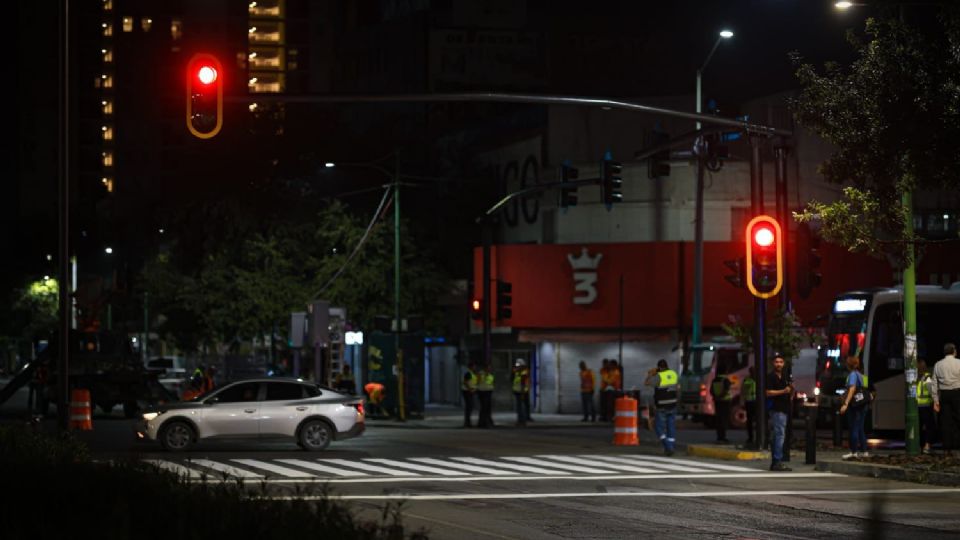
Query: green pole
x=911, y=420
x=401, y=406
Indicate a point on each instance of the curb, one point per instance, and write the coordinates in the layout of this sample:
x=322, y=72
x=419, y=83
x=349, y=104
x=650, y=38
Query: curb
x=889, y=472
x=726, y=453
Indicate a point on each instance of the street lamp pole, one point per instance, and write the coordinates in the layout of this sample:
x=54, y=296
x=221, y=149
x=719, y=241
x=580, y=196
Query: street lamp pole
x=401, y=405
x=697, y=319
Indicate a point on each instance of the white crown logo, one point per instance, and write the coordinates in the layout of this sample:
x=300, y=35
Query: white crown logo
x=584, y=262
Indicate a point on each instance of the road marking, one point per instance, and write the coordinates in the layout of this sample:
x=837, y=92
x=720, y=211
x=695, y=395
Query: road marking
x=464, y=466
x=667, y=466
x=415, y=467
x=522, y=468
x=232, y=471
x=681, y=461
x=368, y=467
x=581, y=461
x=276, y=469
x=646, y=494
x=564, y=466
x=176, y=468
x=617, y=477
x=321, y=468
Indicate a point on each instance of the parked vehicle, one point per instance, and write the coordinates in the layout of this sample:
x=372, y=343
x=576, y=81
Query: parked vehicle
x=262, y=408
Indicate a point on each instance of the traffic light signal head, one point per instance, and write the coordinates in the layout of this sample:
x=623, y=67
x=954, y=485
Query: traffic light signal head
x=764, y=257
x=738, y=277
x=204, y=96
x=568, y=195
x=504, y=300
x=808, y=260
x=611, y=183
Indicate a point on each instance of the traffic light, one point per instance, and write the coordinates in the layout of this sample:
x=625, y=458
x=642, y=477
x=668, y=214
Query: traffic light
x=504, y=300
x=738, y=277
x=611, y=183
x=204, y=96
x=568, y=195
x=658, y=165
x=808, y=260
x=476, y=309
x=764, y=257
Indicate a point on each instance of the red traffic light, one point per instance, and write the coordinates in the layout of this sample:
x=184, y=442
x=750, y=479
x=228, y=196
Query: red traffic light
x=204, y=110
x=207, y=74
x=763, y=236
x=764, y=257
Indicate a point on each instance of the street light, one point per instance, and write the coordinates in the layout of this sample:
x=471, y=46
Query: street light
x=724, y=34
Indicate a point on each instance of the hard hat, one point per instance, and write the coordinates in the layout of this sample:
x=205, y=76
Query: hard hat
x=519, y=362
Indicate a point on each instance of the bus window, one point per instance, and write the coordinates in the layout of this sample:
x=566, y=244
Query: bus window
x=936, y=325
x=886, y=343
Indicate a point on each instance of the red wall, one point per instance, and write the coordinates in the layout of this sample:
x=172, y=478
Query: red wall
x=656, y=277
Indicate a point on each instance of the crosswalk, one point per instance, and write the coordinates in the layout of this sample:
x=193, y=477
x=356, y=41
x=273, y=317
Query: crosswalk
x=454, y=468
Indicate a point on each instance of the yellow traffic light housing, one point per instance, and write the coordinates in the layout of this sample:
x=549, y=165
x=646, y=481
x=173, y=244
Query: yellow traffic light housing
x=764, y=257
x=204, y=96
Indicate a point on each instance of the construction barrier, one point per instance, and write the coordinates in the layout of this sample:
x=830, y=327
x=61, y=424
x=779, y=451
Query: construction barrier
x=625, y=422
x=80, y=411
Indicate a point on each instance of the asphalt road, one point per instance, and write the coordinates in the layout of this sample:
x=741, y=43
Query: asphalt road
x=563, y=480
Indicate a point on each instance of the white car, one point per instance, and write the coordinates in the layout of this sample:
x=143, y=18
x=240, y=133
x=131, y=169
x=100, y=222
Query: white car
x=257, y=408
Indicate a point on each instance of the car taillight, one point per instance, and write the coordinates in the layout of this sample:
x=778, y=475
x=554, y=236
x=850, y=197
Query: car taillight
x=359, y=408
x=703, y=390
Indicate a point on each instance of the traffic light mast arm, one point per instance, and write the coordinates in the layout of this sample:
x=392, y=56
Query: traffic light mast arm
x=536, y=189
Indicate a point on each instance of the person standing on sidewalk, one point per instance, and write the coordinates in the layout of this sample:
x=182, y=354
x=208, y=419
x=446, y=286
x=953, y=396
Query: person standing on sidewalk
x=587, y=386
x=855, y=401
x=722, y=400
x=468, y=388
x=521, y=391
x=749, y=392
x=485, y=393
x=945, y=392
x=928, y=424
x=664, y=380
x=606, y=389
x=779, y=391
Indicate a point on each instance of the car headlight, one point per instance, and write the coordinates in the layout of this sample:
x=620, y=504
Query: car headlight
x=151, y=415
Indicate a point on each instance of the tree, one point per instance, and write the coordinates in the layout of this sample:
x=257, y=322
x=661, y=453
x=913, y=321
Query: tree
x=784, y=335
x=893, y=117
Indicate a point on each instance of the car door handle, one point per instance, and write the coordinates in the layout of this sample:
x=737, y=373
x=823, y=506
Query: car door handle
x=249, y=410
x=302, y=408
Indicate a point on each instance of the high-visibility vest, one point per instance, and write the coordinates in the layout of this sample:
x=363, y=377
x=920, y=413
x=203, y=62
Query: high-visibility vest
x=521, y=384
x=719, y=388
x=587, y=381
x=486, y=382
x=749, y=389
x=923, y=392
x=469, y=382
x=665, y=394
x=616, y=379
x=375, y=391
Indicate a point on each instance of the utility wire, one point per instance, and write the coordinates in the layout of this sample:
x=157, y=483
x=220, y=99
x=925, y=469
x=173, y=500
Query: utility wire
x=385, y=203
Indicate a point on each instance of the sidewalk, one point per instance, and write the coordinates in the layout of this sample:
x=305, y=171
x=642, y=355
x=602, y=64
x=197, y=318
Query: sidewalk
x=451, y=417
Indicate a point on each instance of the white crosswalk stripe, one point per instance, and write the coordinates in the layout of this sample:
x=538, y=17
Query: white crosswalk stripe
x=453, y=468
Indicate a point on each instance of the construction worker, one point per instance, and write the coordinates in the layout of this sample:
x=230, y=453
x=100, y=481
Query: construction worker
x=521, y=391
x=608, y=376
x=468, y=387
x=208, y=380
x=928, y=423
x=665, y=380
x=587, y=386
x=376, y=393
x=344, y=381
x=485, y=393
x=749, y=391
x=722, y=401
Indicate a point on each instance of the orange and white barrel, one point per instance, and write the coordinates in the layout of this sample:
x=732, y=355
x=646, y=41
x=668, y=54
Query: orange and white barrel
x=625, y=422
x=80, y=411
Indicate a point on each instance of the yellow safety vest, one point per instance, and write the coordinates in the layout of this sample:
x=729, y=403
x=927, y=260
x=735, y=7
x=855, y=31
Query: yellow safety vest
x=469, y=384
x=486, y=382
x=665, y=394
x=923, y=392
x=519, y=381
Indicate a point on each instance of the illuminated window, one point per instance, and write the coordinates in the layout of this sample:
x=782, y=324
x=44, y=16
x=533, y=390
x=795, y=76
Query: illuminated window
x=107, y=81
x=107, y=5
x=107, y=183
x=107, y=29
x=146, y=23
x=266, y=32
x=128, y=24
x=176, y=29
x=266, y=58
x=266, y=83
x=107, y=106
x=265, y=8
x=107, y=55
x=107, y=159
x=107, y=132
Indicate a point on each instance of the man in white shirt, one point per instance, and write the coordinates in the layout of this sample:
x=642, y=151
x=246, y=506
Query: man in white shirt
x=945, y=392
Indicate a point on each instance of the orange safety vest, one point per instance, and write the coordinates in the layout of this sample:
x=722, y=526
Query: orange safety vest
x=615, y=379
x=375, y=391
x=586, y=381
x=190, y=393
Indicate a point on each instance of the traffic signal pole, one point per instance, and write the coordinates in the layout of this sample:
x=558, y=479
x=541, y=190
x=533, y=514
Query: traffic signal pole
x=63, y=349
x=487, y=232
x=780, y=153
x=401, y=393
x=697, y=319
x=759, y=304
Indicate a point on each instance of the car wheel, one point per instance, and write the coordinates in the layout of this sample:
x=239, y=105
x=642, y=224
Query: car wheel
x=315, y=435
x=176, y=436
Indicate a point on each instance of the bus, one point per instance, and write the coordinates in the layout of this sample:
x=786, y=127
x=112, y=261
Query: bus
x=869, y=323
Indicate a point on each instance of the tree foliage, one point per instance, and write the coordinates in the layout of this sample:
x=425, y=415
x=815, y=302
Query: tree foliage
x=248, y=284
x=893, y=117
x=784, y=334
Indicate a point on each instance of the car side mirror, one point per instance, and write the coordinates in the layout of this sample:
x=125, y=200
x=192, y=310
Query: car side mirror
x=212, y=401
